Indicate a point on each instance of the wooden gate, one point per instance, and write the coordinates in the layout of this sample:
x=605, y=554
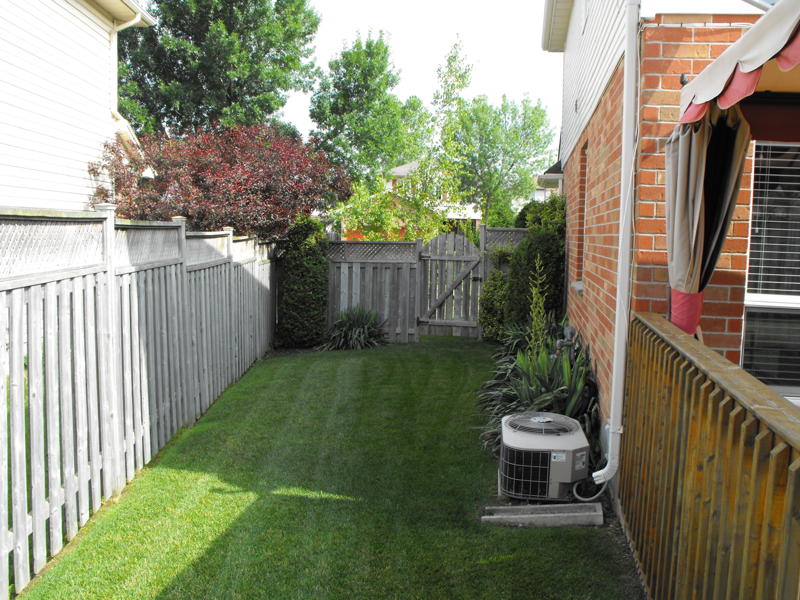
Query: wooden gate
x=449, y=286
x=416, y=289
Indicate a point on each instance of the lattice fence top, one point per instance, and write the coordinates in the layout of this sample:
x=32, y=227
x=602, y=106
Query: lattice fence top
x=243, y=249
x=504, y=236
x=206, y=249
x=31, y=246
x=142, y=245
x=382, y=252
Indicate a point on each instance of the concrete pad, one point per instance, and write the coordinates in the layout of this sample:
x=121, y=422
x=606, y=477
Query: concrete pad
x=545, y=515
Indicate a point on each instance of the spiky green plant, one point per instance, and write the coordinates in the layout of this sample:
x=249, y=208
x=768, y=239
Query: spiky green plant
x=355, y=329
x=537, y=379
x=538, y=314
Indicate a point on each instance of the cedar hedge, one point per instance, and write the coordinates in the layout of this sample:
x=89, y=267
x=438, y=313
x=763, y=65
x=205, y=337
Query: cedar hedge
x=303, y=292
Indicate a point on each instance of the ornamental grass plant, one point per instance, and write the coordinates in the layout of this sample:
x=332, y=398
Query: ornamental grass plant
x=355, y=329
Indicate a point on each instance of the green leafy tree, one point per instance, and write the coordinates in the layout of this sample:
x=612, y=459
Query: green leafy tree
x=549, y=215
x=414, y=208
x=388, y=214
x=436, y=179
x=504, y=148
x=360, y=123
x=230, y=61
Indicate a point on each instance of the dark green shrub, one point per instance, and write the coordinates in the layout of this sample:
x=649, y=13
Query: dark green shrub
x=549, y=215
x=303, y=289
x=550, y=248
x=491, y=312
x=355, y=329
x=521, y=219
x=500, y=256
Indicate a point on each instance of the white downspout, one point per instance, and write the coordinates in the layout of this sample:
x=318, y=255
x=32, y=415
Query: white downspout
x=630, y=89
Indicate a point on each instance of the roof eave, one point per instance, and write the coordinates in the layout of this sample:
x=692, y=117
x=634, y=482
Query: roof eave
x=126, y=10
x=556, y=24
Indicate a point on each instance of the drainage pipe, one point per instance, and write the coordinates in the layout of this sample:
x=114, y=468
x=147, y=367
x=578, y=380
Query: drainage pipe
x=629, y=119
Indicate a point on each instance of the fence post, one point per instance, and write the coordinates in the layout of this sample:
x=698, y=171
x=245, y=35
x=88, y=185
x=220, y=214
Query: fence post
x=110, y=409
x=484, y=258
x=419, y=288
x=229, y=342
x=190, y=412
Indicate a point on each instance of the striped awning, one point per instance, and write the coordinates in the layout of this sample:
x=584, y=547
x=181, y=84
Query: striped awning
x=764, y=59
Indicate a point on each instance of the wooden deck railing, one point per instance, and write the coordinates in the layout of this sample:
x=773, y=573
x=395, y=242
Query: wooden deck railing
x=709, y=487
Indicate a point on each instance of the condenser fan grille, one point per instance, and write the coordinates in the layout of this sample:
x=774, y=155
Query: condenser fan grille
x=524, y=474
x=545, y=425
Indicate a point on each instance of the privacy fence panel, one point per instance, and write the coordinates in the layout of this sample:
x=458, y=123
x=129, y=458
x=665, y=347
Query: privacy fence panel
x=710, y=472
x=113, y=335
x=381, y=276
x=416, y=289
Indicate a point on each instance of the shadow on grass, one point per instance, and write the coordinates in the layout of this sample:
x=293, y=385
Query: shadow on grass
x=341, y=475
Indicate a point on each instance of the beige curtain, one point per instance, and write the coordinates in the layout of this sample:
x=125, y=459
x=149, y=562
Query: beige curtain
x=704, y=163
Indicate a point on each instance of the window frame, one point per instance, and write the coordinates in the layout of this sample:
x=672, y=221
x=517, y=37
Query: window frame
x=759, y=301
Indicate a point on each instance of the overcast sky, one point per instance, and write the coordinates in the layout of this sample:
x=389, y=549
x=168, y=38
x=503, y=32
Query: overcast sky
x=501, y=39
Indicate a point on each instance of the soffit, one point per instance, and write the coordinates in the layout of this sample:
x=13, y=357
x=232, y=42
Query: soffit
x=126, y=10
x=556, y=24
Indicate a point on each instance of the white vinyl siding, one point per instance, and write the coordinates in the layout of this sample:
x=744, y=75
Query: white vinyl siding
x=56, y=86
x=595, y=42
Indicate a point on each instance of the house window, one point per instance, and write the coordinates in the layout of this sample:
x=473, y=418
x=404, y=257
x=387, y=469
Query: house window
x=771, y=341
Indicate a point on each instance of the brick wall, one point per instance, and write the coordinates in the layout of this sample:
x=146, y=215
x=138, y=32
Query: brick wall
x=673, y=45
x=592, y=188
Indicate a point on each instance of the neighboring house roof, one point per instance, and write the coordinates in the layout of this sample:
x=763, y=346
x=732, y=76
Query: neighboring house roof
x=556, y=24
x=126, y=10
x=461, y=211
x=404, y=170
x=554, y=173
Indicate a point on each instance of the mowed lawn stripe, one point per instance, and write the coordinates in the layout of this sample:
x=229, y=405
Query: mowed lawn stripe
x=332, y=475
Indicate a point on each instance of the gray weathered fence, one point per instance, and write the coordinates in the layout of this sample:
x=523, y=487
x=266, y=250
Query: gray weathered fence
x=416, y=289
x=113, y=335
x=451, y=286
x=381, y=276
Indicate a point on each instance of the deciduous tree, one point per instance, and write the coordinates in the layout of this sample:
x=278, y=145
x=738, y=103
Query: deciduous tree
x=503, y=148
x=215, y=60
x=361, y=124
x=248, y=177
x=415, y=208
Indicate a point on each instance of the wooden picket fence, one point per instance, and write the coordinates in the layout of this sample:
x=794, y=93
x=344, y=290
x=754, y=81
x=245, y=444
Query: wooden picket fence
x=415, y=288
x=381, y=276
x=709, y=487
x=113, y=335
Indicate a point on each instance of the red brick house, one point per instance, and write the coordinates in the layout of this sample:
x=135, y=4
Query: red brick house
x=670, y=50
x=655, y=212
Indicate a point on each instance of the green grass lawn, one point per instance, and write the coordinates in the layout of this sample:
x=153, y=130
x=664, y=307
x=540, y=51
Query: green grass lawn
x=332, y=475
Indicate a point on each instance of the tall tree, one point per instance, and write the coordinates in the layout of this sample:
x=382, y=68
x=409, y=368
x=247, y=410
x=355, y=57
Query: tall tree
x=415, y=207
x=437, y=178
x=360, y=123
x=215, y=60
x=252, y=178
x=504, y=148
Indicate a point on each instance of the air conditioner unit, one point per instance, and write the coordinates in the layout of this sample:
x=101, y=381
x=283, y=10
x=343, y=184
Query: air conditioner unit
x=541, y=456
